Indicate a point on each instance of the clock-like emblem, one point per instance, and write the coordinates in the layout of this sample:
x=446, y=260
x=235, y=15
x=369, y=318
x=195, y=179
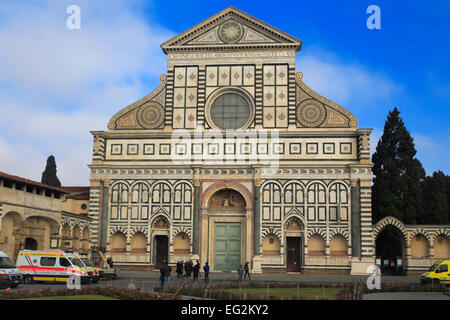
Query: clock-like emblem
x=231, y=31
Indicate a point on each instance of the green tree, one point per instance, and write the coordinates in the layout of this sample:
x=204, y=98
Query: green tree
x=49, y=175
x=435, y=199
x=398, y=175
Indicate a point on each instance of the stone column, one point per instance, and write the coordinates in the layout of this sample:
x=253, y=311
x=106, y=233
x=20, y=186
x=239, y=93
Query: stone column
x=195, y=222
x=257, y=259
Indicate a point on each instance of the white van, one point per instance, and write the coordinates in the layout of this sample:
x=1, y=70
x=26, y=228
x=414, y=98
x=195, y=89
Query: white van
x=57, y=266
x=80, y=262
x=10, y=276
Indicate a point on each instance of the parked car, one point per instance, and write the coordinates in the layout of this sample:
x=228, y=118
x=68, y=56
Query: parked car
x=438, y=273
x=10, y=276
x=55, y=266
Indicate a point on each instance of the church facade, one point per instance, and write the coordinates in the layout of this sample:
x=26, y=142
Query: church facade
x=233, y=158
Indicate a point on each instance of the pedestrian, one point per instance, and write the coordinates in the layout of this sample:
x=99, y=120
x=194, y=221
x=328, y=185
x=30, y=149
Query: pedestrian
x=167, y=271
x=189, y=268
x=206, y=269
x=162, y=276
x=186, y=269
x=110, y=262
x=196, y=270
x=179, y=269
x=247, y=271
x=240, y=272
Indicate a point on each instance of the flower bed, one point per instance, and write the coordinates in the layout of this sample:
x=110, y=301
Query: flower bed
x=228, y=291
x=121, y=294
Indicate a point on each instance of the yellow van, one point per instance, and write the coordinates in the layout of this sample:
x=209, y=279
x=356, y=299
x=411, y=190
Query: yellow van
x=438, y=273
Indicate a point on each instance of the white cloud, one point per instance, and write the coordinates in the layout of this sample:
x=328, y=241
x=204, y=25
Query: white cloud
x=58, y=84
x=348, y=84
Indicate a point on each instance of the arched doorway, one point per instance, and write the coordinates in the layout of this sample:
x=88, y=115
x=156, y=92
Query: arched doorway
x=293, y=229
x=160, y=228
x=227, y=225
x=390, y=250
x=30, y=244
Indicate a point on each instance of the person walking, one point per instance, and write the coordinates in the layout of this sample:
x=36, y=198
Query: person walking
x=167, y=270
x=247, y=271
x=240, y=272
x=162, y=276
x=196, y=270
x=206, y=269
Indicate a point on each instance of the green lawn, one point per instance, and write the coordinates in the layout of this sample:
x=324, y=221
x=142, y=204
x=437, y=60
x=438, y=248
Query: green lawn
x=80, y=297
x=291, y=293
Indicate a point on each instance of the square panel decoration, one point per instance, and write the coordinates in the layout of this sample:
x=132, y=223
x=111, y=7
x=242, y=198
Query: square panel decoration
x=149, y=149
x=295, y=148
x=346, y=148
x=312, y=148
x=278, y=148
x=164, y=148
x=328, y=148
x=116, y=149
x=132, y=149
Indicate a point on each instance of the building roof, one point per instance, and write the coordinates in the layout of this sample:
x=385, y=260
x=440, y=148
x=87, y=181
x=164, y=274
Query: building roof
x=78, y=193
x=6, y=176
x=204, y=35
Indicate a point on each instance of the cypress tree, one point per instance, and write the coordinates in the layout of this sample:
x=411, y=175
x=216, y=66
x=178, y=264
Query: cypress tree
x=49, y=175
x=435, y=199
x=396, y=189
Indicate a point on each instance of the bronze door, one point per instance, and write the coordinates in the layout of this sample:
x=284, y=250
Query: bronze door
x=293, y=254
x=162, y=250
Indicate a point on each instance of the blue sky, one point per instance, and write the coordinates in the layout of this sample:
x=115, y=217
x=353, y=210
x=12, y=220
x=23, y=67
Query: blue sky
x=58, y=84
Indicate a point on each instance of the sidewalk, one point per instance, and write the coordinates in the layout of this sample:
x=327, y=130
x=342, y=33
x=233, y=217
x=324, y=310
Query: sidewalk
x=272, y=277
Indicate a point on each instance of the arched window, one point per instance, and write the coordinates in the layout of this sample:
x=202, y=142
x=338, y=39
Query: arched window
x=316, y=202
x=316, y=246
x=161, y=197
x=338, y=246
x=271, y=202
x=293, y=197
x=139, y=202
x=138, y=243
x=118, y=243
x=339, y=202
x=119, y=202
x=271, y=245
x=182, y=200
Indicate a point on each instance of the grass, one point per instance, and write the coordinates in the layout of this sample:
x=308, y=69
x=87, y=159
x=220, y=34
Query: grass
x=293, y=293
x=74, y=297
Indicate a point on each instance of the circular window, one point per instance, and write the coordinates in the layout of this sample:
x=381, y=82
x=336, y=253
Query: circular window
x=83, y=206
x=230, y=111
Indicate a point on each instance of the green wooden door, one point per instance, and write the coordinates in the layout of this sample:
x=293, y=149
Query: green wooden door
x=227, y=245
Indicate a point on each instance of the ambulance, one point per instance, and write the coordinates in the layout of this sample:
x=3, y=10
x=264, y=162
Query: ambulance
x=54, y=266
x=98, y=271
x=10, y=276
x=80, y=261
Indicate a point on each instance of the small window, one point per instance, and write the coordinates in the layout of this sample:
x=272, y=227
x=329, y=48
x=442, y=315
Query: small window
x=443, y=268
x=83, y=206
x=48, y=261
x=63, y=262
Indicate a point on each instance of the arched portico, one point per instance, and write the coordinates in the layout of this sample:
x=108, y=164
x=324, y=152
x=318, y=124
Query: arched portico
x=226, y=226
x=391, y=241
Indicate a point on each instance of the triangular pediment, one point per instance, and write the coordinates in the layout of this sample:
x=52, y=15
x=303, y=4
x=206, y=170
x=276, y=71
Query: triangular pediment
x=231, y=29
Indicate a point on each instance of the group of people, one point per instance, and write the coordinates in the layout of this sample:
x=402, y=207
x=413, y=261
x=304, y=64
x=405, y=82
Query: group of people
x=189, y=268
x=244, y=271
